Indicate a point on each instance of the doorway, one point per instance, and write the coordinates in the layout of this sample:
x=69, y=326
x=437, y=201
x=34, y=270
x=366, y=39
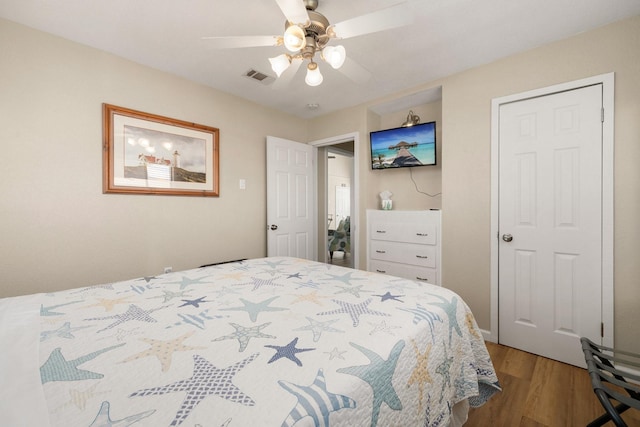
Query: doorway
x=339, y=179
x=552, y=222
x=338, y=199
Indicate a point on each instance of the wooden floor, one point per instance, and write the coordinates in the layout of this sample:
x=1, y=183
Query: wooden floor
x=539, y=392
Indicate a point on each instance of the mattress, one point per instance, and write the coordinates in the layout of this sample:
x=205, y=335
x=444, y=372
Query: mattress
x=265, y=342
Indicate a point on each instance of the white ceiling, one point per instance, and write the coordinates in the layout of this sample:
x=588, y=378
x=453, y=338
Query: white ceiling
x=446, y=37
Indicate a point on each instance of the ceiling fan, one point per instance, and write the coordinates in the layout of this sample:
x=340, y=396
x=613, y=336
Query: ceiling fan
x=308, y=32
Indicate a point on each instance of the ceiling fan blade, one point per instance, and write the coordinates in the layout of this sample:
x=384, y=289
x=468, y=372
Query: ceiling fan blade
x=288, y=75
x=294, y=11
x=241, y=41
x=383, y=19
x=356, y=72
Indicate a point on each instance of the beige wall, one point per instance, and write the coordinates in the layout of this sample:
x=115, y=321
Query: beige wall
x=466, y=167
x=58, y=230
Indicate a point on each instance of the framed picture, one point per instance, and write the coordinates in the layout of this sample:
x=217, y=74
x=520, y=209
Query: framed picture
x=148, y=154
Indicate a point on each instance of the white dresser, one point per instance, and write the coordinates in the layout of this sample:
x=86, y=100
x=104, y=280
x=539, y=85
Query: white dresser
x=405, y=244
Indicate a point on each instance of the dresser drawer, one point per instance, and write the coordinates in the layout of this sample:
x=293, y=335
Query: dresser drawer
x=422, y=274
x=405, y=253
x=425, y=234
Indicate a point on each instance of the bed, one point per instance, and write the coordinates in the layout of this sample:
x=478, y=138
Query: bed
x=265, y=342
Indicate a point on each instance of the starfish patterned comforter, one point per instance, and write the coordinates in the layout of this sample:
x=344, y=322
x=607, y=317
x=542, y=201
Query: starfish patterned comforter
x=264, y=342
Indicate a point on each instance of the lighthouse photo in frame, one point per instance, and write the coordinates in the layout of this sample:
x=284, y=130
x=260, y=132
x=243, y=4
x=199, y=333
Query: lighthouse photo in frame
x=149, y=154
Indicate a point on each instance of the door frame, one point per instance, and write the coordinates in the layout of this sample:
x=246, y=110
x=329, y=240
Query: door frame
x=607, y=81
x=355, y=194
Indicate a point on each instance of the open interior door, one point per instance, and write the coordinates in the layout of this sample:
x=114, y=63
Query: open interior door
x=291, y=201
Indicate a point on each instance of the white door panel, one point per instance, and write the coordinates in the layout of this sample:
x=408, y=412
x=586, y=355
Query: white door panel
x=290, y=199
x=550, y=202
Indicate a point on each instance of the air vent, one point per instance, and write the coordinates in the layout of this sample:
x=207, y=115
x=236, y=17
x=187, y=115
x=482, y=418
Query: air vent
x=260, y=77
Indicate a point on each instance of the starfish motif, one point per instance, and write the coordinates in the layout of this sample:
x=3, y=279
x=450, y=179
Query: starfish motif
x=444, y=369
x=64, y=331
x=148, y=278
x=108, y=303
x=254, y=308
x=472, y=326
x=314, y=401
x=225, y=290
x=379, y=375
x=206, y=380
x=274, y=264
x=197, y=320
x=258, y=283
x=345, y=278
x=294, y=276
x=243, y=335
x=420, y=373
x=308, y=284
x=57, y=368
x=186, y=281
x=388, y=296
x=194, y=302
x=288, y=351
x=103, y=419
x=354, y=310
x=354, y=290
x=335, y=353
x=133, y=313
x=163, y=350
x=233, y=276
x=451, y=308
x=382, y=327
x=48, y=311
x=420, y=313
x=311, y=297
x=169, y=295
x=80, y=398
x=318, y=328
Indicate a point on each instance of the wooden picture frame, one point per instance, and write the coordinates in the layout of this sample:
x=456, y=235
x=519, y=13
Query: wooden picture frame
x=148, y=154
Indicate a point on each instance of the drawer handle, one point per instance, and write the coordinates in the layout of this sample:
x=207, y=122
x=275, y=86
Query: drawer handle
x=380, y=252
x=380, y=271
x=422, y=256
x=380, y=231
x=422, y=278
x=422, y=234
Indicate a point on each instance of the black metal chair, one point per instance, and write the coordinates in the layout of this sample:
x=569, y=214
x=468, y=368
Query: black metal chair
x=609, y=383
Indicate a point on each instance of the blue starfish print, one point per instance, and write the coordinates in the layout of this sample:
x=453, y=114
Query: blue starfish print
x=309, y=284
x=289, y=351
x=420, y=313
x=254, y=308
x=148, y=278
x=133, y=313
x=64, y=331
x=57, y=368
x=169, y=295
x=318, y=328
x=354, y=290
x=258, y=283
x=379, y=375
x=206, y=380
x=344, y=278
x=314, y=401
x=294, y=276
x=186, y=281
x=451, y=309
x=48, y=311
x=103, y=419
x=243, y=335
x=194, y=302
x=388, y=296
x=354, y=310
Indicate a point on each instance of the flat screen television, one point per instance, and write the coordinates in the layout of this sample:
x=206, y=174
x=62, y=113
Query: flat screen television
x=404, y=146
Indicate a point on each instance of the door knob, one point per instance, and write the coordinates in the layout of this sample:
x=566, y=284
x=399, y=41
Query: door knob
x=507, y=237
x=274, y=227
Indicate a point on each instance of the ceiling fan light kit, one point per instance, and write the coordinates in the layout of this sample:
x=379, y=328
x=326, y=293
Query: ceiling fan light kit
x=307, y=31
